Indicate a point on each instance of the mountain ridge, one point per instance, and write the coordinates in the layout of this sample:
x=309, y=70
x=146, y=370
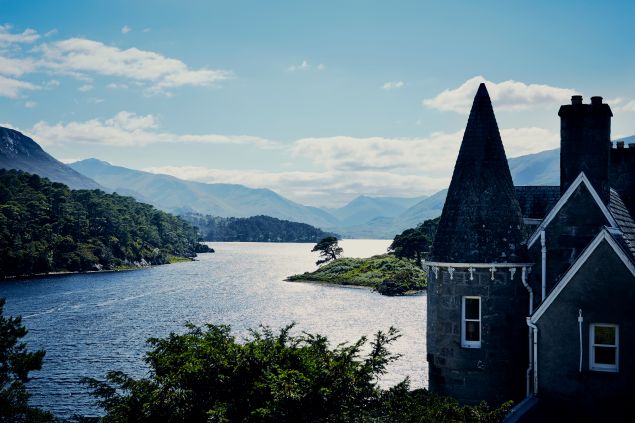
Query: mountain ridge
x=20, y=152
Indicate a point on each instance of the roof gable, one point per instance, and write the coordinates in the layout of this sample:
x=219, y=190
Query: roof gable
x=581, y=180
x=604, y=235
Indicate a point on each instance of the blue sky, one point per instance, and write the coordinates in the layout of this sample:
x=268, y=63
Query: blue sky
x=320, y=101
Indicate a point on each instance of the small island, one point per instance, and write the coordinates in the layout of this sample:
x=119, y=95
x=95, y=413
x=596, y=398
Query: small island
x=384, y=273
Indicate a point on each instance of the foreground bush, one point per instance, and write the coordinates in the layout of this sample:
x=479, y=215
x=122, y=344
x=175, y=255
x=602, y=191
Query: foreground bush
x=204, y=375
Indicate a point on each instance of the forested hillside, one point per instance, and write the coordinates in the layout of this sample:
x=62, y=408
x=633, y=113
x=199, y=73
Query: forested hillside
x=254, y=229
x=46, y=227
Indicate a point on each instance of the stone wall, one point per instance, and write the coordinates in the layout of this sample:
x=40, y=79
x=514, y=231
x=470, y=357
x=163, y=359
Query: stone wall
x=622, y=173
x=496, y=371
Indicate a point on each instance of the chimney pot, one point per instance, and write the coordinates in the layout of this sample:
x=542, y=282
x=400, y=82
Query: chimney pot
x=620, y=144
x=631, y=145
x=596, y=100
x=576, y=99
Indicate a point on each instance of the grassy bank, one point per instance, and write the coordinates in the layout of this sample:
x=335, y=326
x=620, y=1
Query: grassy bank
x=384, y=273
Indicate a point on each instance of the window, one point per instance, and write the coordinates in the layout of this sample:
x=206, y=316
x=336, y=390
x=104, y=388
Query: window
x=471, y=322
x=604, y=351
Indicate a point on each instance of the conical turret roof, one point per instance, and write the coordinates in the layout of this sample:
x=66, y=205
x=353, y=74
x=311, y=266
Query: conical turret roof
x=481, y=220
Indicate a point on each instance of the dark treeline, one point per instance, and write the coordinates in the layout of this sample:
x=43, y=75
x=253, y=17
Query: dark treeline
x=254, y=229
x=46, y=227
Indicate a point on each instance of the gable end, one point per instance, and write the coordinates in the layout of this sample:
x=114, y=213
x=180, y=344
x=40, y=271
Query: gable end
x=604, y=235
x=581, y=179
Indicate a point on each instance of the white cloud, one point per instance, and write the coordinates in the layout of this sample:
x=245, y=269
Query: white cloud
x=16, y=67
x=12, y=87
x=302, y=66
x=391, y=85
x=129, y=129
x=53, y=83
x=30, y=104
x=372, y=166
x=506, y=95
x=114, y=86
x=330, y=188
x=126, y=29
x=27, y=36
x=50, y=33
x=146, y=29
x=86, y=87
x=627, y=107
x=321, y=67
x=434, y=155
x=79, y=56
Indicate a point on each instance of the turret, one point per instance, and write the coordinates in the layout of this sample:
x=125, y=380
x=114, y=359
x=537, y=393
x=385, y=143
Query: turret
x=585, y=133
x=476, y=299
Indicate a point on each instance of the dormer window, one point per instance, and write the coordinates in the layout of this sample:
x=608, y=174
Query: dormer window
x=604, y=347
x=471, y=322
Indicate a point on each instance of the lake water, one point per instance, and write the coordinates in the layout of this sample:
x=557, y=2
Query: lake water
x=92, y=323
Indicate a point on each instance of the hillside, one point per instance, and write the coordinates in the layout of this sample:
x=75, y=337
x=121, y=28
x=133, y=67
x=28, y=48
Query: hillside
x=17, y=151
x=536, y=169
x=253, y=229
x=365, y=208
x=47, y=227
x=178, y=196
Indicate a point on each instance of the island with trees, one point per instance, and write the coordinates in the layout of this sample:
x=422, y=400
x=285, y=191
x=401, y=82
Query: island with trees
x=253, y=229
x=47, y=227
x=397, y=273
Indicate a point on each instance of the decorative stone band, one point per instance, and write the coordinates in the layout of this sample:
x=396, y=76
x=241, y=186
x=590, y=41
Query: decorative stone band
x=471, y=267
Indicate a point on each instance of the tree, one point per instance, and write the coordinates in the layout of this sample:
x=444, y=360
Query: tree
x=414, y=243
x=15, y=364
x=329, y=249
x=204, y=375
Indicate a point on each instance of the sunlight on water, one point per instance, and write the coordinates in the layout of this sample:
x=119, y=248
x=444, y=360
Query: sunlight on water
x=90, y=324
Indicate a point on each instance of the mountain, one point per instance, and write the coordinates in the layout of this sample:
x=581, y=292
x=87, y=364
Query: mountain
x=17, y=151
x=533, y=169
x=536, y=169
x=178, y=196
x=365, y=208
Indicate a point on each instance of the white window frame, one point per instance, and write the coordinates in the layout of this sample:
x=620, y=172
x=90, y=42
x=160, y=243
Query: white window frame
x=464, y=342
x=600, y=367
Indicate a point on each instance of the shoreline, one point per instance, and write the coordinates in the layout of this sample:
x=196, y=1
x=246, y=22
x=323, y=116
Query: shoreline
x=412, y=293
x=83, y=272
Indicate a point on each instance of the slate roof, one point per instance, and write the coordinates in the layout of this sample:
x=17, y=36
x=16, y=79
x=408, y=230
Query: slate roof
x=624, y=222
x=536, y=201
x=481, y=220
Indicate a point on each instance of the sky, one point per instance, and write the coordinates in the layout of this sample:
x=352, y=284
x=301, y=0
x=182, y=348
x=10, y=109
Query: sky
x=319, y=101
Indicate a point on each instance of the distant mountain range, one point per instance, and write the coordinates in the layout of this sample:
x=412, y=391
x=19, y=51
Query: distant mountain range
x=17, y=151
x=363, y=217
x=179, y=196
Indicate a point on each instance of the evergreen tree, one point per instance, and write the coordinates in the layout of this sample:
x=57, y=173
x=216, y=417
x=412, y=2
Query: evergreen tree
x=329, y=249
x=15, y=365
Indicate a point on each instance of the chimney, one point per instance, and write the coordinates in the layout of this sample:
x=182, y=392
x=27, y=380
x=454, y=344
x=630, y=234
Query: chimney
x=585, y=143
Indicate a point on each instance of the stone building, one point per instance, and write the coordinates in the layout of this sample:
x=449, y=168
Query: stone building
x=531, y=289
